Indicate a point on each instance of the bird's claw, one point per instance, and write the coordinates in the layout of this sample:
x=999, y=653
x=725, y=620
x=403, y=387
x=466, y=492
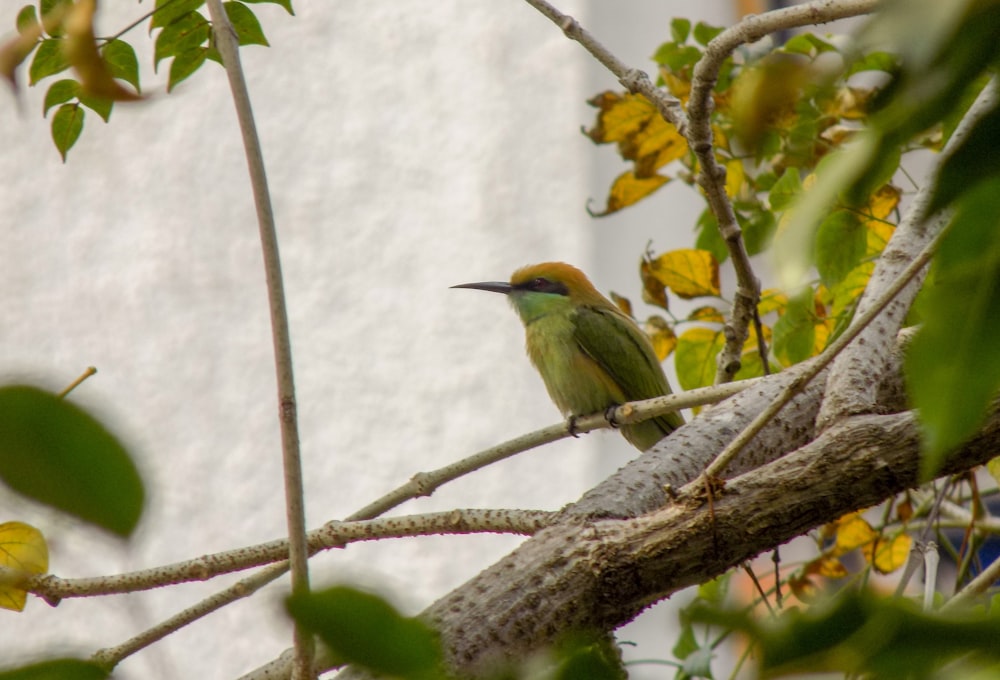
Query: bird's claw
x=571, y=427
x=609, y=415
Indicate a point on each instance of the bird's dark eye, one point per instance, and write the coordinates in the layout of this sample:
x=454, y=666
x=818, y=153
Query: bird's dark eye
x=543, y=285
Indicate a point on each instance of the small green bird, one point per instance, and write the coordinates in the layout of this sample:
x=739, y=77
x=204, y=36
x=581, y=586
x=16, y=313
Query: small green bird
x=590, y=354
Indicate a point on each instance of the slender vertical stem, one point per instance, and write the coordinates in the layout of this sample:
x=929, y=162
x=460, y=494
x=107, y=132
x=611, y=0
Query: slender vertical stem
x=228, y=47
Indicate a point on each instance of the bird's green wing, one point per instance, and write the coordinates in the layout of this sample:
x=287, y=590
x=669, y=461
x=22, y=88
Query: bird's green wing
x=623, y=350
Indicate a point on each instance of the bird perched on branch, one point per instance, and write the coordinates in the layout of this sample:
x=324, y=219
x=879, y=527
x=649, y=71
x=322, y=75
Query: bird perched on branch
x=590, y=354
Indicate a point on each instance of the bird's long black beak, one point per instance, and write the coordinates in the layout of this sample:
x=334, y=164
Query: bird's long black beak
x=495, y=286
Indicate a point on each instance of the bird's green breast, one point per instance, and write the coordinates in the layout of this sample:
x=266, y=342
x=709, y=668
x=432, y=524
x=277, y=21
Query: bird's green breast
x=576, y=383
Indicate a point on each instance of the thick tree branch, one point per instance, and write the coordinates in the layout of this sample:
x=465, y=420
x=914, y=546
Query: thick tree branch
x=600, y=574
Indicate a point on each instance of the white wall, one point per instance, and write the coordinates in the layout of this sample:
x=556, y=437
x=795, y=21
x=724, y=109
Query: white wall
x=410, y=146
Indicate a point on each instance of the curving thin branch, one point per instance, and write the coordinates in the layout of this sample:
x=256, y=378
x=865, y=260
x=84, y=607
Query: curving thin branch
x=227, y=44
x=634, y=80
x=333, y=534
x=712, y=175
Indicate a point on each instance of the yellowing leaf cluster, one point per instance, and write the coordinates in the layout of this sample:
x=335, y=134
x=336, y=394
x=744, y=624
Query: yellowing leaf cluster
x=24, y=551
x=643, y=137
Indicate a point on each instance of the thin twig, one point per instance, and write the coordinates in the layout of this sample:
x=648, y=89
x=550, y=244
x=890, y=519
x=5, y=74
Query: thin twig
x=425, y=483
x=810, y=371
x=712, y=175
x=634, y=80
x=228, y=47
x=110, y=657
x=631, y=412
x=331, y=535
x=73, y=385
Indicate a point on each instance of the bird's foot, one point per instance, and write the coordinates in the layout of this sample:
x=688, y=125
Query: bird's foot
x=571, y=427
x=609, y=415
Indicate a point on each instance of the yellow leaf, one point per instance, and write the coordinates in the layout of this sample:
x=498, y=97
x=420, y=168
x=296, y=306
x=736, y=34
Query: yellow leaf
x=803, y=588
x=831, y=567
x=890, y=554
x=688, y=273
x=657, y=144
x=629, y=189
x=653, y=290
x=623, y=303
x=661, y=335
x=847, y=292
x=735, y=176
x=771, y=300
x=707, y=314
x=852, y=532
x=850, y=103
x=23, y=549
x=621, y=116
x=880, y=206
x=993, y=467
x=679, y=87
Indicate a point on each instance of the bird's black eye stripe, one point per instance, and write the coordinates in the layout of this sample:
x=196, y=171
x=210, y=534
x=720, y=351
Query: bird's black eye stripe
x=541, y=284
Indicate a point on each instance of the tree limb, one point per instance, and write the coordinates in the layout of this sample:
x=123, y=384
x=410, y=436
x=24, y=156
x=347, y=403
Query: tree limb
x=228, y=46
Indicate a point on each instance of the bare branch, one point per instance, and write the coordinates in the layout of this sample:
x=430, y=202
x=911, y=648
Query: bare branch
x=634, y=80
x=712, y=175
x=425, y=483
x=332, y=535
x=228, y=46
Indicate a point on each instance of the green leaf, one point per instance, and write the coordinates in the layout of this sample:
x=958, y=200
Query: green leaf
x=695, y=356
x=47, y=6
x=676, y=57
x=974, y=161
x=287, y=4
x=703, y=33
x=582, y=660
x=785, y=190
x=364, y=629
x=860, y=634
x=56, y=669
x=245, y=23
x=874, y=61
x=841, y=242
x=56, y=453
x=169, y=11
x=686, y=643
x=758, y=227
x=60, y=92
x=184, y=64
x=680, y=29
x=953, y=367
x=48, y=60
x=121, y=60
x=709, y=237
x=27, y=19
x=66, y=127
x=795, y=332
x=185, y=34
x=99, y=105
